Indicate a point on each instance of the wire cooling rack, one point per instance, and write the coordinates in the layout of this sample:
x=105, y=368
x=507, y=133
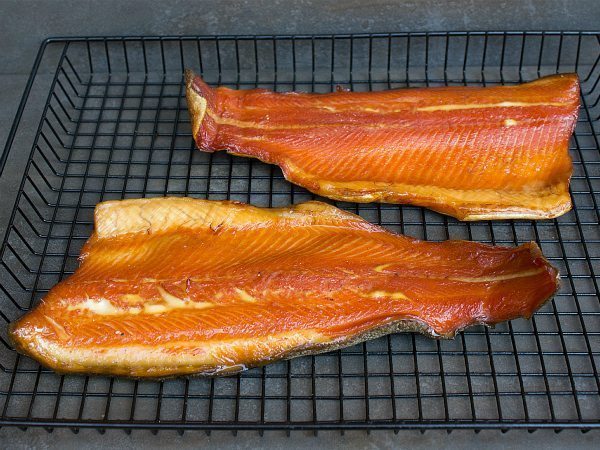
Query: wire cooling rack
x=107, y=120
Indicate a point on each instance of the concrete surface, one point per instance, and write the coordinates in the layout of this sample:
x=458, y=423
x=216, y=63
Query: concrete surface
x=24, y=24
x=458, y=440
x=10, y=95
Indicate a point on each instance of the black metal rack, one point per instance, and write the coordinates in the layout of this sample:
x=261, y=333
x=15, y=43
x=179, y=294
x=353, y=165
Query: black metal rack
x=112, y=123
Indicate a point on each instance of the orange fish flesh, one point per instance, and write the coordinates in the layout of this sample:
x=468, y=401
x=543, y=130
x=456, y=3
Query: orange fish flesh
x=179, y=286
x=470, y=152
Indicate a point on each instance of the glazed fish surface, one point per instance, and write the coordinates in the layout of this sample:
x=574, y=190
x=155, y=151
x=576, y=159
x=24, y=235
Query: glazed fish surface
x=178, y=286
x=470, y=152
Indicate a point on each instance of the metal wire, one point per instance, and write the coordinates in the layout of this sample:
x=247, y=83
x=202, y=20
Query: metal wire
x=115, y=125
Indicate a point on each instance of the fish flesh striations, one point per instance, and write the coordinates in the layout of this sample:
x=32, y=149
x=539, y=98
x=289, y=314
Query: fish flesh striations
x=470, y=152
x=180, y=286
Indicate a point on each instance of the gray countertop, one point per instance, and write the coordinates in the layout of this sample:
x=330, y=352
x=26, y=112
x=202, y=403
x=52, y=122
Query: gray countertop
x=23, y=25
x=65, y=439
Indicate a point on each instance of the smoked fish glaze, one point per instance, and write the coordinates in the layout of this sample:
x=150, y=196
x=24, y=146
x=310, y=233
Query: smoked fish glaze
x=470, y=152
x=180, y=286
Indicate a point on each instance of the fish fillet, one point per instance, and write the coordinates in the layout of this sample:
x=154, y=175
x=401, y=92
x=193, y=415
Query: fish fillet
x=179, y=286
x=472, y=153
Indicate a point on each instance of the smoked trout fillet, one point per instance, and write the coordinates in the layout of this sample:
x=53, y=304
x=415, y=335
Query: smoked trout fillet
x=178, y=286
x=469, y=152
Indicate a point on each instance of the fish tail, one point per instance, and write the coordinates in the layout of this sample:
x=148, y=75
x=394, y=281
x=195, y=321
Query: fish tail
x=202, y=105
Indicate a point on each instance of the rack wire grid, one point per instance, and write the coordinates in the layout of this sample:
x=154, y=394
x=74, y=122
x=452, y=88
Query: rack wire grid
x=108, y=120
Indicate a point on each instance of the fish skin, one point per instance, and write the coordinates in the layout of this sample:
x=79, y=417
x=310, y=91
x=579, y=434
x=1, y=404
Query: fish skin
x=472, y=153
x=180, y=286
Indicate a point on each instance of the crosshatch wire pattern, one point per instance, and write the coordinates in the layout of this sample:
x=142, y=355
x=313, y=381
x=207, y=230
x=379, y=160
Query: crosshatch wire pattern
x=115, y=125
